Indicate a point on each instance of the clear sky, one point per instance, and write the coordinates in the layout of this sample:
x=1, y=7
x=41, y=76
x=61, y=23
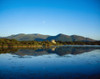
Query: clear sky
x=50, y=17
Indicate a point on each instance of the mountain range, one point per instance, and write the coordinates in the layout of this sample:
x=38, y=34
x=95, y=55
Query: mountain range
x=40, y=37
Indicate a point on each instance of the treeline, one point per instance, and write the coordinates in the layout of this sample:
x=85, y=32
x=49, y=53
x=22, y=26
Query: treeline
x=80, y=43
x=14, y=43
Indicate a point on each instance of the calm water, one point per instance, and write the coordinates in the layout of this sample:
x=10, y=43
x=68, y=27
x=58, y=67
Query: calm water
x=65, y=62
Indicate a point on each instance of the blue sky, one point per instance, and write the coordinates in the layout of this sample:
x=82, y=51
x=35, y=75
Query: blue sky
x=50, y=17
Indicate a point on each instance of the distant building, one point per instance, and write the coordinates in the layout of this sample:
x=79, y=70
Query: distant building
x=53, y=41
x=53, y=49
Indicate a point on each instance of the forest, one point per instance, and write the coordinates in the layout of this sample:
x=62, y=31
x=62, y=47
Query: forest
x=14, y=43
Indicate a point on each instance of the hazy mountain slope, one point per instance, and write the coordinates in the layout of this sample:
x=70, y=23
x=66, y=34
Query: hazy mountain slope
x=80, y=38
x=63, y=37
x=40, y=37
x=28, y=37
x=60, y=37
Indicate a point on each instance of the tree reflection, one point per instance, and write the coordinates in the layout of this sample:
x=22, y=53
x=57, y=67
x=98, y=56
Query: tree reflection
x=61, y=51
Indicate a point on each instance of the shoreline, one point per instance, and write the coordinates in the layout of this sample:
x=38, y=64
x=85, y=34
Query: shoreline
x=41, y=46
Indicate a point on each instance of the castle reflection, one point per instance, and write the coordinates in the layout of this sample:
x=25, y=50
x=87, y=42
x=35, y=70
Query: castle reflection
x=60, y=50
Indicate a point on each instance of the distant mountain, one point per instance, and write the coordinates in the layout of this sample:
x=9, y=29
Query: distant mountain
x=63, y=37
x=60, y=37
x=40, y=37
x=28, y=37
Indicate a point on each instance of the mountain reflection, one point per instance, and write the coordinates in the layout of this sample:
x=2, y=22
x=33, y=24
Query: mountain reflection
x=61, y=51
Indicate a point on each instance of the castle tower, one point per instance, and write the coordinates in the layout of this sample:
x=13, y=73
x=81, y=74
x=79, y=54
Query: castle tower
x=53, y=41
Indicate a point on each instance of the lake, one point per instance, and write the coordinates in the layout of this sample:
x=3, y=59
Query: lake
x=57, y=62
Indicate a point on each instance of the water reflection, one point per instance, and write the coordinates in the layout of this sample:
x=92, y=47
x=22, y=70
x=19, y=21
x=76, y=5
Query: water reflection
x=60, y=50
x=64, y=62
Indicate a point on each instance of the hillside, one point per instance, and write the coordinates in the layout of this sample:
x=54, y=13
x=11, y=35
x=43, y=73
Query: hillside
x=40, y=37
